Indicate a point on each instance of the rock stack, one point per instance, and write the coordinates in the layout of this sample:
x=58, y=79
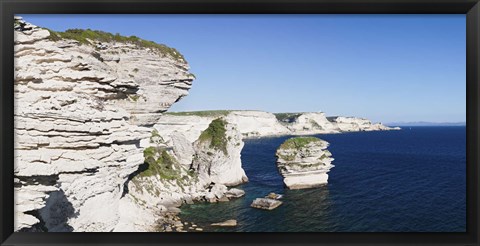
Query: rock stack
x=304, y=162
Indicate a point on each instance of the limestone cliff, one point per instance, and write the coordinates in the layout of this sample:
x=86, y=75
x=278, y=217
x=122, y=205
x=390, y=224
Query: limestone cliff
x=80, y=99
x=190, y=158
x=304, y=162
x=311, y=123
x=253, y=123
x=86, y=156
x=257, y=123
x=217, y=154
x=355, y=124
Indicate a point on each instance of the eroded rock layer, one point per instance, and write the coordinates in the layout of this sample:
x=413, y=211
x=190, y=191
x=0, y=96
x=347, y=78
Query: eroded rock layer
x=304, y=162
x=79, y=108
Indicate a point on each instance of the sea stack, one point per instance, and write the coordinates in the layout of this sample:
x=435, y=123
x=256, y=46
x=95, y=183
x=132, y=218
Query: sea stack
x=304, y=162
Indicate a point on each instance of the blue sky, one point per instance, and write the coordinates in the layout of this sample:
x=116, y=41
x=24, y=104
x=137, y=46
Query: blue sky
x=388, y=68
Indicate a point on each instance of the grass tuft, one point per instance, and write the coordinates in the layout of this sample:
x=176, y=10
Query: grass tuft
x=298, y=142
x=216, y=135
x=206, y=113
x=83, y=36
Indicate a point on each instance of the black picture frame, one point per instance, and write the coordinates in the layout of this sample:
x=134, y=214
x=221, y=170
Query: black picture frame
x=10, y=7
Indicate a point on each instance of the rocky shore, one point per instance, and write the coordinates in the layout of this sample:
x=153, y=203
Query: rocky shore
x=96, y=151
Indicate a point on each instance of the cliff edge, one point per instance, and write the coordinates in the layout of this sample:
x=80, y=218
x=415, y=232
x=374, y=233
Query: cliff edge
x=82, y=98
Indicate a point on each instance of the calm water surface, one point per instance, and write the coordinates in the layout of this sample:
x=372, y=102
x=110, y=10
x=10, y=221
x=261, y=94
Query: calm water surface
x=408, y=180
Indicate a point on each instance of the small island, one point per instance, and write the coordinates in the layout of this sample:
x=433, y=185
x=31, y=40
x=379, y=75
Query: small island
x=304, y=162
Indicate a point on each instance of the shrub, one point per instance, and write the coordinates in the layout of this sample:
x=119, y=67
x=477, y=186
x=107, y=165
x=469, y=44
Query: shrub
x=159, y=163
x=287, y=117
x=216, y=135
x=298, y=142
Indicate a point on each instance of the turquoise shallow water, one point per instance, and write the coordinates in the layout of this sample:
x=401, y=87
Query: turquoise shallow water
x=401, y=181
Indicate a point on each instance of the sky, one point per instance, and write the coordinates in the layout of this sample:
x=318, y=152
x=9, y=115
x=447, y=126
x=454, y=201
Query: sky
x=387, y=68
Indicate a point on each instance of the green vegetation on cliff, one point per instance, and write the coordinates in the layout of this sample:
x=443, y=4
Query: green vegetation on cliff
x=83, y=36
x=206, y=113
x=159, y=163
x=216, y=135
x=298, y=142
x=287, y=117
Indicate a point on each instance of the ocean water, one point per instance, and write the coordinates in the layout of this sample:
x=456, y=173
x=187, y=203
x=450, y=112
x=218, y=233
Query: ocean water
x=411, y=180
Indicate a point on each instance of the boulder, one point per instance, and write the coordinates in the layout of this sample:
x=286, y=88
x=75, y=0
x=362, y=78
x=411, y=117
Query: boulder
x=274, y=196
x=265, y=203
x=234, y=193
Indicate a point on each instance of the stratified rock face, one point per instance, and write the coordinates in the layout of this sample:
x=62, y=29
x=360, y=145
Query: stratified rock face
x=195, y=158
x=191, y=137
x=180, y=132
x=75, y=140
x=161, y=80
x=304, y=162
x=217, y=154
x=257, y=123
x=312, y=123
x=354, y=124
x=252, y=124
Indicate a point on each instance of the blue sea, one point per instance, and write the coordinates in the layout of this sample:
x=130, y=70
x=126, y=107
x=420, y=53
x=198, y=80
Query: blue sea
x=412, y=180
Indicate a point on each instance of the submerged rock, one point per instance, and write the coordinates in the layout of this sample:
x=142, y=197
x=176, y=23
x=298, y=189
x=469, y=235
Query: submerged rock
x=266, y=203
x=234, y=193
x=274, y=196
x=304, y=162
x=226, y=223
x=223, y=199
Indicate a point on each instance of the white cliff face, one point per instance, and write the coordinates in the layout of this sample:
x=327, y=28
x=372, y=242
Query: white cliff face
x=190, y=126
x=250, y=123
x=81, y=111
x=217, y=154
x=161, y=80
x=204, y=163
x=312, y=123
x=253, y=124
x=257, y=123
x=304, y=162
x=354, y=124
x=184, y=135
x=180, y=132
x=76, y=141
